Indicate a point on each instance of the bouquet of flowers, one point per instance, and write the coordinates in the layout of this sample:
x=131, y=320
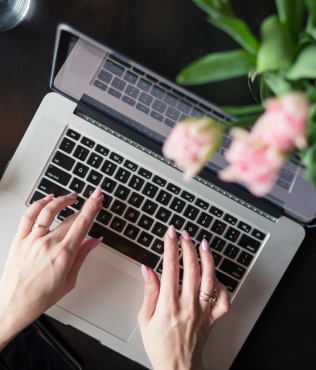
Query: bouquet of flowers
x=282, y=124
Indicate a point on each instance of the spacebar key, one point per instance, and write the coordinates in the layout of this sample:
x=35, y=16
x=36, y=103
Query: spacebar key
x=124, y=246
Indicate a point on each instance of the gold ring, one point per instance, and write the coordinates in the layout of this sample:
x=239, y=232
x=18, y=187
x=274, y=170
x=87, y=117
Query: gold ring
x=38, y=225
x=208, y=298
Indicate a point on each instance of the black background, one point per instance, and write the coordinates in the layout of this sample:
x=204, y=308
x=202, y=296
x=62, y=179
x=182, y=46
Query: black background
x=164, y=35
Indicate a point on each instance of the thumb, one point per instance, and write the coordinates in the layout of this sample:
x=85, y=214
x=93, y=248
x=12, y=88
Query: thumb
x=151, y=295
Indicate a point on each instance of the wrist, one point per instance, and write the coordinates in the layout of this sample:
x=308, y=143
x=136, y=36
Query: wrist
x=8, y=330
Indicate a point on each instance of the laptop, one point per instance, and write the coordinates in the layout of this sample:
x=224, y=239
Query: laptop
x=104, y=125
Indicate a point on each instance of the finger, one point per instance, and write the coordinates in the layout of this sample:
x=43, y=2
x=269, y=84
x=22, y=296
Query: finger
x=84, y=249
x=83, y=222
x=191, y=269
x=170, y=274
x=151, y=294
x=30, y=216
x=222, y=305
x=61, y=230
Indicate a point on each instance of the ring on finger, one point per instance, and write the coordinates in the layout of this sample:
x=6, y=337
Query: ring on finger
x=208, y=298
x=40, y=226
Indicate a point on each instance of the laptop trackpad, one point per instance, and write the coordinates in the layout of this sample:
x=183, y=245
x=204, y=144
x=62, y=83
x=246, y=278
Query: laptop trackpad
x=105, y=297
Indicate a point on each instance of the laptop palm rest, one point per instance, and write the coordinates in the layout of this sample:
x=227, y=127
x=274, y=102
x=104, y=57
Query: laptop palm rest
x=106, y=298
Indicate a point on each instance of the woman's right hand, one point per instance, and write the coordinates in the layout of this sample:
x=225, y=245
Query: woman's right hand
x=175, y=323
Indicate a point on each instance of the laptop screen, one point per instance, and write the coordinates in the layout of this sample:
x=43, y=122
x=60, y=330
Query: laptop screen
x=151, y=105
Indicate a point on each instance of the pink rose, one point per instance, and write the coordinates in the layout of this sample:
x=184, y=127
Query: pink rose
x=191, y=144
x=283, y=124
x=252, y=163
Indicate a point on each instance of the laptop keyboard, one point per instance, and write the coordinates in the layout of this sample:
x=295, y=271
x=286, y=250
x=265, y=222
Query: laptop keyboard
x=139, y=206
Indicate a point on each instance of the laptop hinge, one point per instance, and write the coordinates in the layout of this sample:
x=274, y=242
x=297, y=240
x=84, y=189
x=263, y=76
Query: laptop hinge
x=151, y=147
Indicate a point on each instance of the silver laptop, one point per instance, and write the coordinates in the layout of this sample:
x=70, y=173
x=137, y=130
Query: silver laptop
x=105, y=126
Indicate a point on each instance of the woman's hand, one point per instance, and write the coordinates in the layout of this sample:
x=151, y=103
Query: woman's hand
x=175, y=324
x=43, y=266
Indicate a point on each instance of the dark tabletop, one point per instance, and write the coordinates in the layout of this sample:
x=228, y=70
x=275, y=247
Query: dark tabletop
x=164, y=35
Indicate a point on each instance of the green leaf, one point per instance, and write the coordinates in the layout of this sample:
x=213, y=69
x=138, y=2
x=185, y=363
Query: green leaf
x=216, y=67
x=241, y=111
x=311, y=125
x=310, y=92
x=291, y=14
x=305, y=65
x=215, y=8
x=311, y=27
x=277, y=84
x=311, y=7
x=265, y=91
x=309, y=160
x=276, y=51
x=239, y=31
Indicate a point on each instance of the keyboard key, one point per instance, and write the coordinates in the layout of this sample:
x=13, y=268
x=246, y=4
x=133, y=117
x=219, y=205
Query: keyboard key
x=177, y=205
x=118, y=207
x=245, y=258
x=116, y=158
x=108, y=185
x=232, y=234
x=94, y=177
x=67, y=145
x=159, y=106
x=145, y=99
x=183, y=117
x=163, y=197
x=63, y=161
x=122, y=175
x=230, y=219
x=157, y=92
x=88, y=191
x=232, y=268
x=191, y=212
x=244, y=227
x=49, y=187
x=66, y=212
x=203, y=234
x=144, y=173
x=145, y=239
x=106, y=200
x=118, y=84
x=105, y=76
x=125, y=246
x=187, y=196
x=218, y=244
x=136, y=200
x=248, y=243
x=159, y=230
x=191, y=229
x=258, y=234
x=117, y=224
x=95, y=160
x=226, y=142
x=156, y=115
x=114, y=93
x=197, y=113
x=73, y=134
x=100, y=85
x=172, y=113
x=81, y=153
x=130, y=77
x=173, y=188
x=171, y=99
x=131, y=231
x=145, y=222
x=169, y=122
x=230, y=283
x=158, y=246
x=204, y=219
x=150, y=190
x=218, y=227
x=108, y=168
x=159, y=181
x=131, y=214
x=78, y=203
x=130, y=165
x=57, y=175
x=286, y=175
x=87, y=142
x=177, y=222
x=217, y=258
x=114, y=68
x=104, y=217
x=163, y=214
x=215, y=211
x=77, y=185
x=132, y=91
x=136, y=183
x=80, y=170
x=122, y=192
x=149, y=207
x=184, y=106
x=283, y=184
x=231, y=251
x=100, y=149
x=142, y=108
x=200, y=203
x=37, y=196
x=144, y=85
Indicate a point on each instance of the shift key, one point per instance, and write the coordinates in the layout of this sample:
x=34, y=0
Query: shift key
x=49, y=187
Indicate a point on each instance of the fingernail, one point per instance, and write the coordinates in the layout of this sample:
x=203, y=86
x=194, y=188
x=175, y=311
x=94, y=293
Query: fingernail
x=97, y=193
x=186, y=235
x=172, y=232
x=49, y=197
x=72, y=195
x=145, y=273
x=205, y=245
x=96, y=243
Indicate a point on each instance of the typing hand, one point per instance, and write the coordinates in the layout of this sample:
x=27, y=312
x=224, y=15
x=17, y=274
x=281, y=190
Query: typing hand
x=175, y=324
x=43, y=266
